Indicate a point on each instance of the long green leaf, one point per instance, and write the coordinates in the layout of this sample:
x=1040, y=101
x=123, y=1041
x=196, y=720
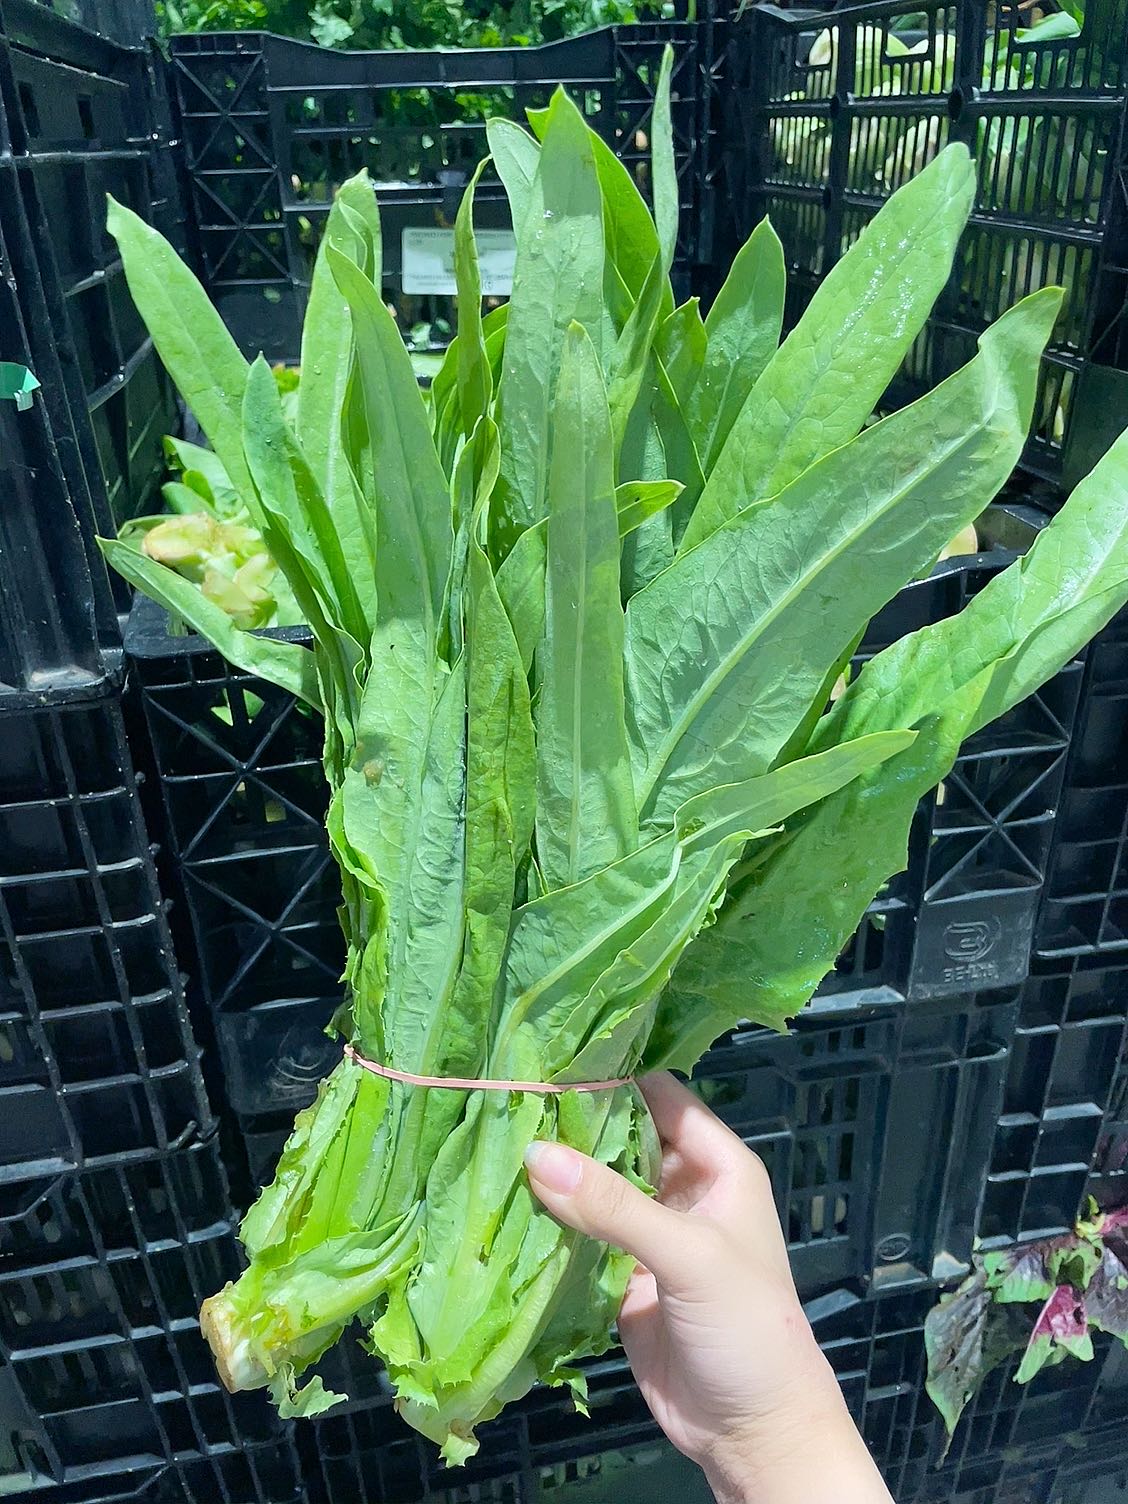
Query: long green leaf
x=606, y=1021
x=323, y=394
x=681, y=345
x=657, y=443
x=286, y=664
x=500, y=795
x=774, y=943
x=742, y=328
x=663, y=165
x=585, y=798
x=520, y=583
x=561, y=943
x=717, y=826
x=500, y=792
x=515, y=155
x=425, y=946
x=629, y=233
x=649, y=548
x=1069, y=579
x=630, y=356
x=558, y=279
x=446, y=396
x=829, y=374
x=565, y=941
x=378, y=802
x=475, y=379
x=292, y=504
x=357, y=197
x=730, y=809
x=190, y=337
x=414, y=531
x=682, y=459
x=726, y=649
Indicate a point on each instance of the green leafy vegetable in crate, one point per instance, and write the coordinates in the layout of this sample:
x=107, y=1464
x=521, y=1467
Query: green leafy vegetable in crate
x=1028, y=161
x=389, y=24
x=1042, y=1300
x=578, y=619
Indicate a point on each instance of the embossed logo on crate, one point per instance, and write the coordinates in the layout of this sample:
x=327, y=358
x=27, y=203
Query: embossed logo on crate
x=971, y=940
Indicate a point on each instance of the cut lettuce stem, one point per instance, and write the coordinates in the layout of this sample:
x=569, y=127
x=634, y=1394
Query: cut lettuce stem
x=274, y=1317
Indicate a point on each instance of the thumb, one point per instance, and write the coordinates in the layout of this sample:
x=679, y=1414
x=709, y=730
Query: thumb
x=593, y=1199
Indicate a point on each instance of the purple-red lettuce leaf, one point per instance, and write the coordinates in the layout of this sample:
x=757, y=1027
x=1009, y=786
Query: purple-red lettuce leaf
x=965, y=1337
x=1061, y=1331
x=1106, y=1299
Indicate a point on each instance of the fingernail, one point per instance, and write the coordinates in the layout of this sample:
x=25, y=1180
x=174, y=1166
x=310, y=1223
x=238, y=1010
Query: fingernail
x=554, y=1166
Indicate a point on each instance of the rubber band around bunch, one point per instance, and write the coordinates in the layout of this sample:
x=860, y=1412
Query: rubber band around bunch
x=465, y=1083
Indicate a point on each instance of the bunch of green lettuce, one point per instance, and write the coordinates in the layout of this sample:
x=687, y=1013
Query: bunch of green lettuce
x=577, y=615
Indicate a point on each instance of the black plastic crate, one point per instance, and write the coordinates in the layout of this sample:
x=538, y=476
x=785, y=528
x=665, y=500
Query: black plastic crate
x=368, y=1457
x=81, y=116
x=1009, y=1435
x=98, y=1059
x=126, y=21
x=654, y=1473
x=244, y=800
x=1085, y=906
x=819, y=135
x=272, y=1058
x=114, y=1210
x=75, y=1303
x=1062, y=1135
x=961, y=917
x=103, y=1369
x=876, y=1131
x=49, y=637
x=272, y=126
x=541, y=1448
x=120, y=1391
x=254, y=1474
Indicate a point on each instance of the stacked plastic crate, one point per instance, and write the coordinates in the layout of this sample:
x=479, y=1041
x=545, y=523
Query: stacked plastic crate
x=827, y=116
x=273, y=126
x=115, y=1215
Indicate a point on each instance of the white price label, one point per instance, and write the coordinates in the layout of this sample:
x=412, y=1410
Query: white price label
x=428, y=261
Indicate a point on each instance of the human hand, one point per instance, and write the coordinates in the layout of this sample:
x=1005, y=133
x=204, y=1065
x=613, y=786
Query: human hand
x=711, y=1322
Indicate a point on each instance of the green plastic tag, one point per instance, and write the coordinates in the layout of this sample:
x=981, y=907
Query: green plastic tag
x=18, y=384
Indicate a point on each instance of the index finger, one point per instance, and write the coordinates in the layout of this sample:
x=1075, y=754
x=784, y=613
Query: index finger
x=710, y=1170
x=688, y=1128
